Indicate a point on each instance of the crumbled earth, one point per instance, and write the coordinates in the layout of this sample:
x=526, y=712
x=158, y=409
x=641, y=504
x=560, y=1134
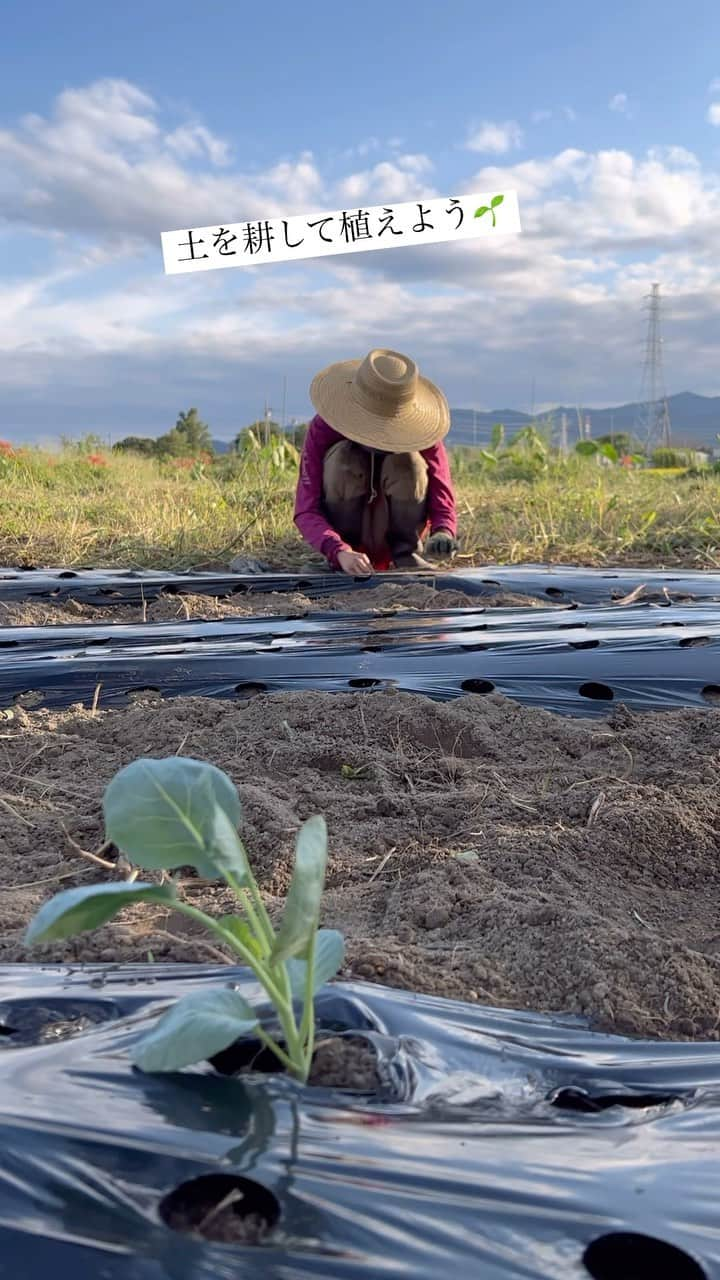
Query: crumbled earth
x=478, y=849
x=212, y=1215
x=348, y=1063
x=173, y=608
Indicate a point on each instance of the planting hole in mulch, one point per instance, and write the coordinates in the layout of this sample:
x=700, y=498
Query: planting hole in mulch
x=579, y=1100
x=29, y=1022
x=339, y=1062
x=222, y=1208
x=598, y=692
x=250, y=690
x=626, y=1255
x=29, y=698
x=477, y=686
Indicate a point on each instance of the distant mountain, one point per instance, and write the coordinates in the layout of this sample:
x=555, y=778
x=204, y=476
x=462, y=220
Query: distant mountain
x=694, y=421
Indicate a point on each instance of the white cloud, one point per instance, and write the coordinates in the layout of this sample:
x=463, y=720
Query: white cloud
x=537, y=117
x=672, y=155
x=713, y=114
x=531, y=177
x=102, y=165
x=399, y=179
x=101, y=176
x=196, y=140
x=619, y=103
x=714, y=86
x=569, y=113
x=495, y=139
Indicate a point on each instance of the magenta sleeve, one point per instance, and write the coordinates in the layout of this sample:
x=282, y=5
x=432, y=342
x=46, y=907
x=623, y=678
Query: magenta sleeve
x=442, y=511
x=309, y=516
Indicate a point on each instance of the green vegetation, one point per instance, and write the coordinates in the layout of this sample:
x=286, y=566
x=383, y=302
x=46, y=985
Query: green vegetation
x=189, y=438
x=519, y=500
x=168, y=814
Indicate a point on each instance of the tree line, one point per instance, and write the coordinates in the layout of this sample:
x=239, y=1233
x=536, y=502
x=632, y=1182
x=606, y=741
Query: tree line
x=191, y=438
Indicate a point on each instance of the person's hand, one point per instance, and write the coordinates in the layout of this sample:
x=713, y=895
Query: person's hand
x=442, y=543
x=355, y=564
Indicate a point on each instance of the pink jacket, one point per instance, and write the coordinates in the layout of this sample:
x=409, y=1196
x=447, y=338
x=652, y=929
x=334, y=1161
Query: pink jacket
x=310, y=517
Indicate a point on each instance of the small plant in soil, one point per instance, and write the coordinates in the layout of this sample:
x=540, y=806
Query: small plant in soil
x=352, y=772
x=166, y=814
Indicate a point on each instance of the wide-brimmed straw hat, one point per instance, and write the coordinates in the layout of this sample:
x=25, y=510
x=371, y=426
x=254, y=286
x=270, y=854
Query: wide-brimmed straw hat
x=382, y=402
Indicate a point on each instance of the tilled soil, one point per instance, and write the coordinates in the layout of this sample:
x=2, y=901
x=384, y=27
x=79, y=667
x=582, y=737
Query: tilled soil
x=172, y=608
x=479, y=850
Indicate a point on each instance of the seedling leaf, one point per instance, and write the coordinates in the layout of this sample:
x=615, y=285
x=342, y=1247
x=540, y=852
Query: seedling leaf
x=241, y=930
x=174, y=813
x=76, y=911
x=329, y=956
x=302, y=906
x=484, y=208
x=496, y=200
x=193, y=1030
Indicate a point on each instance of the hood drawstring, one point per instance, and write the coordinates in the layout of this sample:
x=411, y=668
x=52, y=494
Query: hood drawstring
x=373, y=490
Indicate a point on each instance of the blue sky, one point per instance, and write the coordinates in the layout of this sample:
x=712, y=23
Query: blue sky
x=119, y=122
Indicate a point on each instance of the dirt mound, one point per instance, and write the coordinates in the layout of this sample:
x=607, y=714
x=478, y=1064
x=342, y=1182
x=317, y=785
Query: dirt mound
x=480, y=850
x=172, y=608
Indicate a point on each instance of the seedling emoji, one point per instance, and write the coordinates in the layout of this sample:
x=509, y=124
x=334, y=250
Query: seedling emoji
x=490, y=208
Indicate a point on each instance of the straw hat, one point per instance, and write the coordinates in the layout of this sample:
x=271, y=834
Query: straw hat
x=382, y=402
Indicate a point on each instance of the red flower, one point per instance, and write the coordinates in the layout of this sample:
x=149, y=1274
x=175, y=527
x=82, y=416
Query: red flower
x=6, y=449
x=97, y=460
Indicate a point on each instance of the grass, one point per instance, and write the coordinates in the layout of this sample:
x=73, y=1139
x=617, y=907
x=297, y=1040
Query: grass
x=74, y=509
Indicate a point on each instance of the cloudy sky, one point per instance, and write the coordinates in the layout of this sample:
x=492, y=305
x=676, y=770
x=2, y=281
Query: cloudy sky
x=119, y=122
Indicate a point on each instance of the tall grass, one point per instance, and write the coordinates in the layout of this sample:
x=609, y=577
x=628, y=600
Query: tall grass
x=76, y=509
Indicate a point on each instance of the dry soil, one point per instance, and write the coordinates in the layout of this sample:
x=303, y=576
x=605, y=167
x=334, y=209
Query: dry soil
x=480, y=850
x=173, y=608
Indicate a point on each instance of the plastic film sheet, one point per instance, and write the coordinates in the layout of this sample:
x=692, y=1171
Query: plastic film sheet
x=574, y=672
x=507, y=1145
x=557, y=583
x=388, y=629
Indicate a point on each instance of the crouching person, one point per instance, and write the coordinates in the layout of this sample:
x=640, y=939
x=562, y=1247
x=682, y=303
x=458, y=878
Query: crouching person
x=374, y=474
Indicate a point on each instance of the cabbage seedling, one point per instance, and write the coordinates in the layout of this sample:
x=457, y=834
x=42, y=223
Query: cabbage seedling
x=166, y=814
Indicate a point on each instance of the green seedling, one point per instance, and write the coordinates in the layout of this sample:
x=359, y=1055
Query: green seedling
x=166, y=814
x=352, y=772
x=490, y=208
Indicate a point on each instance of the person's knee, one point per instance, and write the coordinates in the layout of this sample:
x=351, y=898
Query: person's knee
x=346, y=472
x=405, y=477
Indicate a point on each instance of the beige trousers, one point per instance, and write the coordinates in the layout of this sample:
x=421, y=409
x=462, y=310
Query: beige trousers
x=377, y=502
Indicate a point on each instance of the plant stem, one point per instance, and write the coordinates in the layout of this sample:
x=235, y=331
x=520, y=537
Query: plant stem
x=307, y=1026
x=263, y=927
x=254, y=922
x=280, y=995
x=283, y=1057
x=261, y=973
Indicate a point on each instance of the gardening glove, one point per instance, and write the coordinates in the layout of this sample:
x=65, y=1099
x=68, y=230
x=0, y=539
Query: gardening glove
x=442, y=543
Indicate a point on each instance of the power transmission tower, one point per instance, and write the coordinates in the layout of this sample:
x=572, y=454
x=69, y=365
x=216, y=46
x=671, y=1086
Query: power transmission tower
x=652, y=425
x=564, y=433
